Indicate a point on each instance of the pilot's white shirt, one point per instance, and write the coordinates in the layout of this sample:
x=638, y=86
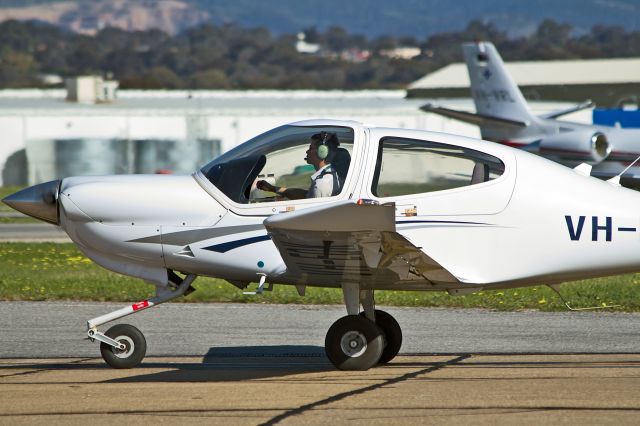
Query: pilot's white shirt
x=321, y=186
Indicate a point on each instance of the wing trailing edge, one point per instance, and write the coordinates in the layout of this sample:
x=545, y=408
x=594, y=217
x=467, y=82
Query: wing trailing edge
x=473, y=118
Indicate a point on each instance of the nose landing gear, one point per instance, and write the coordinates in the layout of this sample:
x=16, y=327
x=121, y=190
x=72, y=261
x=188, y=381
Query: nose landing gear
x=123, y=345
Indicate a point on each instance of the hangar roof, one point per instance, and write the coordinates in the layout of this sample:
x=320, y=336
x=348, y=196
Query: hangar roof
x=535, y=73
x=52, y=102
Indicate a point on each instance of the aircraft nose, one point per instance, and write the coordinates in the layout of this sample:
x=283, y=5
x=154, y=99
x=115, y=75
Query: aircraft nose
x=39, y=201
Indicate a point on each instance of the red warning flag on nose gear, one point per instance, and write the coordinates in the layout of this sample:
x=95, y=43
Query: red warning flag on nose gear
x=140, y=305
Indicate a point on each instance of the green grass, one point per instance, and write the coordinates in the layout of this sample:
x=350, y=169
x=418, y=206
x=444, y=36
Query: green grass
x=8, y=190
x=4, y=191
x=19, y=220
x=47, y=271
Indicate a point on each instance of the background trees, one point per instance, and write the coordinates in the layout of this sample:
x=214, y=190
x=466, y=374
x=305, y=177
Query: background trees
x=231, y=57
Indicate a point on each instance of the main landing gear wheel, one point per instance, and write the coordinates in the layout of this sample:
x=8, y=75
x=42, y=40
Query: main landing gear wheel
x=392, y=333
x=134, y=342
x=354, y=343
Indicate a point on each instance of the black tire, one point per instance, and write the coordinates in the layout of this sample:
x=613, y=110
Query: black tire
x=354, y=343
x=392, y=335
x=136, y=347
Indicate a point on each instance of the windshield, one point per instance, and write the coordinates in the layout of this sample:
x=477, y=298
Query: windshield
x=280, y=157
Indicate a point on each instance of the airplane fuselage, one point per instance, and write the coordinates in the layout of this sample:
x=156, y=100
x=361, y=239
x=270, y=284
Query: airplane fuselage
x=537, y=223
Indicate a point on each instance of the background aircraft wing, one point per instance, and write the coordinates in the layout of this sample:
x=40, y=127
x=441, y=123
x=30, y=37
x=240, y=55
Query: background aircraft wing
x=351, y=242
x=473, y=118
x=555, y=114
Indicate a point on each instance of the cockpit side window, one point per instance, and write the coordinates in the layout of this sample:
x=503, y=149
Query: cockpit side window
x=276, y=165
x=409, y=166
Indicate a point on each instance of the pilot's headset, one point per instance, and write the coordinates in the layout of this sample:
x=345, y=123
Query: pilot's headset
x=323, y=149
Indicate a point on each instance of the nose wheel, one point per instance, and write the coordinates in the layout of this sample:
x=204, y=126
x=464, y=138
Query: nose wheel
x=132, y=350
x=354, y=343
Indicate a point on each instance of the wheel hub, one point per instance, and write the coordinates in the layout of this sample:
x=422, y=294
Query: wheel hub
x=129, y=346
x=353, y=343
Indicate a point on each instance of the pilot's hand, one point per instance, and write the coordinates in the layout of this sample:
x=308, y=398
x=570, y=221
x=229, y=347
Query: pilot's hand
x=265, y=186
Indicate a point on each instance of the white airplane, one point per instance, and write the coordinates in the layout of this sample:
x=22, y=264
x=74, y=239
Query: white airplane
x=504, y=116
x=416, y=210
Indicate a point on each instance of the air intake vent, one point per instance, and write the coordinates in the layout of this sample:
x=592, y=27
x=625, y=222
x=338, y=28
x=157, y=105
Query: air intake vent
x=186, y=252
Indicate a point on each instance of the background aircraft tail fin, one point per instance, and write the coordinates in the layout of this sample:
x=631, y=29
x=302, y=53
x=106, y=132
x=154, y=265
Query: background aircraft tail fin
x=494, y=92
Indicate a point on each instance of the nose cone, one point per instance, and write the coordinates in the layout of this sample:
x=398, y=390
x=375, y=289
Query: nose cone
x=39, y=201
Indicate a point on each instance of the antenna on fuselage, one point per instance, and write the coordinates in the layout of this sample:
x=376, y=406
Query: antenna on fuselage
x=556, y=288
x=616, y=179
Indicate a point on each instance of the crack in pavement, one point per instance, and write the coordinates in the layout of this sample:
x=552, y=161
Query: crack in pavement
x=473, y=410
x=42, y=369
x=360, y=391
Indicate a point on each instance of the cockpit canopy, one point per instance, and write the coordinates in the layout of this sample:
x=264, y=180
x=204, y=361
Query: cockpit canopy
x=278, y=157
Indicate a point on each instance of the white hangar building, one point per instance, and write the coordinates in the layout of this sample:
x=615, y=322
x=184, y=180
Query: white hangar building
x=46, y=137
x=608, y=82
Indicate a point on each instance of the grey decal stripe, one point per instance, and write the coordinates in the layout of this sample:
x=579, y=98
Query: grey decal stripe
x=398, y=222
x=183, y=238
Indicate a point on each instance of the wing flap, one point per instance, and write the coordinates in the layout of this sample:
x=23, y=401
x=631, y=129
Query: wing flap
x=350, y=242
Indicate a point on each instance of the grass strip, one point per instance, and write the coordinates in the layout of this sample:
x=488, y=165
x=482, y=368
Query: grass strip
x=49, y=271
x=19, y=220
x=6, y=191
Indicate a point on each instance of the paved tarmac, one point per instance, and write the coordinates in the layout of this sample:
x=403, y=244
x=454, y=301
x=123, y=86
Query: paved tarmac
x=32, y=232
x=454, y=389
x=57, y=329
x=264, y=364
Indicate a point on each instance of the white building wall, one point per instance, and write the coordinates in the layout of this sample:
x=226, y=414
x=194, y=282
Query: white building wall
x=170, y=118
x=158, y=127
x=69, y=126
x=12, y=138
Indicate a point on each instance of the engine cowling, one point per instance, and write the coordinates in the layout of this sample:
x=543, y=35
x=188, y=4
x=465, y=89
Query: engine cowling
x=581, y=146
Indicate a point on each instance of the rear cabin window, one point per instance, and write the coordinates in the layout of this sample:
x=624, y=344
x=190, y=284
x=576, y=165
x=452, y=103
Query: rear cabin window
x=411, y=166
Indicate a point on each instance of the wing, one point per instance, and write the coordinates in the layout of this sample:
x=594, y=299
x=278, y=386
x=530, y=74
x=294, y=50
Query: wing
x=355, y=243
x=469, y=117
x=555, y=114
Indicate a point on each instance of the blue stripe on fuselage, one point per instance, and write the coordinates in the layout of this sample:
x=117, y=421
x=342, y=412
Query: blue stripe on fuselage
x=225, y=247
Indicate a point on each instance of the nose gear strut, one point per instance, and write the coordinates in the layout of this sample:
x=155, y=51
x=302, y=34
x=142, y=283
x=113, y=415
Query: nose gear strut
x=128, y=355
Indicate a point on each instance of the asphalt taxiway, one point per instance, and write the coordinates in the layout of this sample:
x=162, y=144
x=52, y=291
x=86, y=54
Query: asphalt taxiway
x=264, y=364
x=450, y=389
x=58, y=329
x=32, y=232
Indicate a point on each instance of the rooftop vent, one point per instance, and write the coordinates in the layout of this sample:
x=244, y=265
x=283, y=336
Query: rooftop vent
x=90, y=89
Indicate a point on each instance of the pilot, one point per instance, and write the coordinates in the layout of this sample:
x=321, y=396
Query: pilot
x=325, y=182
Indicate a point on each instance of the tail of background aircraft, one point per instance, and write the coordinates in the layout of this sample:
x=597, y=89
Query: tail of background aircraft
x=497, y=96
x=494, y=91
x=504, y=116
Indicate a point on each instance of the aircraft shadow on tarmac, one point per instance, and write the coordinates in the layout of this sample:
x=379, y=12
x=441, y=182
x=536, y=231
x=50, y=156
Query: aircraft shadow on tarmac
x=260, y=362
x=227, y=364
x=237, y=363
